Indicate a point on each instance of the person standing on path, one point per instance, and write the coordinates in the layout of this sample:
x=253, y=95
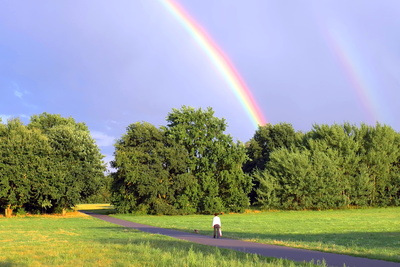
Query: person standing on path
x=216, y=224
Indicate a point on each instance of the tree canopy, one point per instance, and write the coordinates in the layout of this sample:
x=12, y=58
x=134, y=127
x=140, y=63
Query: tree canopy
x=191, y=165
x=188, y=166
x=48, y=165
x=337, y=166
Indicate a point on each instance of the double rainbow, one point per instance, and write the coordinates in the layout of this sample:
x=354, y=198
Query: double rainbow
x=220, y=60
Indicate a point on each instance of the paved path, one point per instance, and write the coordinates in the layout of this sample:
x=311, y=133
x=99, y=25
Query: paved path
x=256, y=248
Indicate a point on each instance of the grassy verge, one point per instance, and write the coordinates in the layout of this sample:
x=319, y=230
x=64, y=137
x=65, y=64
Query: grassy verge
x=372, y=233
x=79, y=240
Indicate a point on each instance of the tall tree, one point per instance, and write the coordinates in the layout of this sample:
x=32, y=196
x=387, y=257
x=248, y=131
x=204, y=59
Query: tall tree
x=77, y=166
x=213, y=158
x=151, y=174
x=339, y=143
x=266, y=140
x=380, y=159
x=23, y=166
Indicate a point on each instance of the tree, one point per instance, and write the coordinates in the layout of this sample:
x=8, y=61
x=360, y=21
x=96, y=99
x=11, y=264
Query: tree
x=338, y=165
x=104, y=194
x=77, y=167
x=301, y=179
x=23, y=166
x=213, y=158
x=267, y=139
x=151, y=173
x=285, y=182
x=380, y=159
x=339, y=143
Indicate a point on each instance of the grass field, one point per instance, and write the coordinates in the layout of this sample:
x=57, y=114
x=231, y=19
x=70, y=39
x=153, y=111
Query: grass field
x=80, y=240
x=371, y=233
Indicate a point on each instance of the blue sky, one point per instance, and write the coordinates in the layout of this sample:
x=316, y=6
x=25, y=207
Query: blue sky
x=112, y=63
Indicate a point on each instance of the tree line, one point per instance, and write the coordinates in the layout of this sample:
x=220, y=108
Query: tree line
x=331, y=166
x=47, y=166
x=191, y=166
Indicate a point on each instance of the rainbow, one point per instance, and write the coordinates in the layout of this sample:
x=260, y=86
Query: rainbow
x=357, y=74
x=220, y=60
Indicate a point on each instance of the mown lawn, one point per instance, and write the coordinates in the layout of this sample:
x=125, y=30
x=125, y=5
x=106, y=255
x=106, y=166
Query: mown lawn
x=80, y=240
x=372, y=233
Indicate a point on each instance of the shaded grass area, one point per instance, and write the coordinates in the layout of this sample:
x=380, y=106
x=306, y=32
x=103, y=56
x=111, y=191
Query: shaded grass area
x=104, y=209
x=371, y=233
x=85, y=241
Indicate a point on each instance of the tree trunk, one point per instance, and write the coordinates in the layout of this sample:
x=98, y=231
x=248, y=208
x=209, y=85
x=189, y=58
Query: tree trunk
x=8, y=211
x=64, y=212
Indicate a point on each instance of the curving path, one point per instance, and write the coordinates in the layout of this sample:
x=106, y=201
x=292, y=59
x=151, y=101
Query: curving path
x=250, y=247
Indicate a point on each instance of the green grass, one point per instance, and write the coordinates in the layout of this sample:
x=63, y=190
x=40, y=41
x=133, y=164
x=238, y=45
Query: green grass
x=79, y=240
x=371, y=233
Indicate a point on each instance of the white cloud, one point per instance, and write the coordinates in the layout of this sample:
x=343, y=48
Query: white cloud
x=23, y=117
x=5, y=118
x=18, y=94
x=110, y=124
x=17, y=90
x=103, y=139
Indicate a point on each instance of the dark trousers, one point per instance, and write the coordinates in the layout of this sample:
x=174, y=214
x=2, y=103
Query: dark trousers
x=216, y=231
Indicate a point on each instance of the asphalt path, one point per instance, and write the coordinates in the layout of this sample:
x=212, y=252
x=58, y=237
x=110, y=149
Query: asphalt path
x=293, y=254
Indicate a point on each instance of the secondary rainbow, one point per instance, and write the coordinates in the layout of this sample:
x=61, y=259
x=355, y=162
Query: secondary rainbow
x=220, y=60
x=356, y=72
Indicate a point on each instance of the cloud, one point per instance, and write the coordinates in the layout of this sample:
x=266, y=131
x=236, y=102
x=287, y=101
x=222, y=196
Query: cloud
x=18, y=94
x=17, y=90
x=103, y=139
x=5, y=118
x=24, y=116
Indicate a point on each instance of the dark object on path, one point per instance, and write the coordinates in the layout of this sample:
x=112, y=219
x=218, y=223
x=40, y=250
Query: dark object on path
x=196, y=231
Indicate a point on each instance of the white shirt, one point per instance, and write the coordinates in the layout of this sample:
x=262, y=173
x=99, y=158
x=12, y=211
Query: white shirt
x=216, y=220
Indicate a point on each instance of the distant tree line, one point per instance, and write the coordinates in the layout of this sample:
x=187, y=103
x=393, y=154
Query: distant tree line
x=329, y=167
x=47, y=166
x=191, y=166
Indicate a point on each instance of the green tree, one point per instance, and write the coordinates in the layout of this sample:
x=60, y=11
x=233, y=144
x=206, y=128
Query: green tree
x=338, y=165
x=267, y=139
x=339, y=143
x=151, y=174
x=77, y=167
x=104, y=195
x=380, y=162
x=301, y=179
x=23, y=167
x=285, y=182
x=213, y=158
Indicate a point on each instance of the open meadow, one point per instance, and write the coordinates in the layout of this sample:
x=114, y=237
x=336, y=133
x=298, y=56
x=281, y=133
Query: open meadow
x=80, y=240
x=370, y=233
